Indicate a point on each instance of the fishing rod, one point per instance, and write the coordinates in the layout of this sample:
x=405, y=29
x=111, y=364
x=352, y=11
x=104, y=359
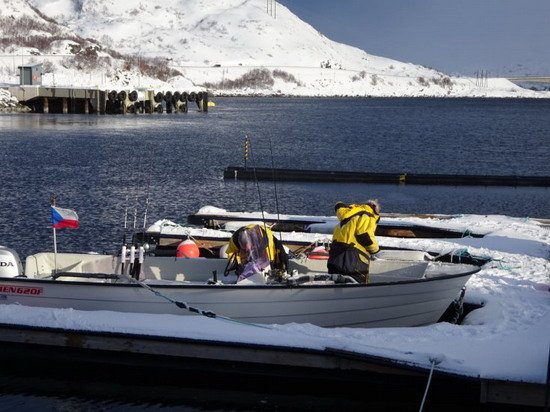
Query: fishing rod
x=123, y=252
x=133, y=247
x=146, y=206
x=245, y=157
x=147, y=192
x=257, y=184
x=141, y=248
x=275, y=189
x=271, y=258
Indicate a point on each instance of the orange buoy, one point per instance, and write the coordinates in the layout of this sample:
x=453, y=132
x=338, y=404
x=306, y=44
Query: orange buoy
x=187, y=249
x=318, y=253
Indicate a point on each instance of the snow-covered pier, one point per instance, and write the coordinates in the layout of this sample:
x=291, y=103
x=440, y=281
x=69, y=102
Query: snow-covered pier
x=306, y=367
x=496, y=358
x=71, y=100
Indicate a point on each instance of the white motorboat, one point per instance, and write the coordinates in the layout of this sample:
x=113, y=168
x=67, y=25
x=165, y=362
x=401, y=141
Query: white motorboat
x=404, y=289
x=390, y=225
x=166, y=235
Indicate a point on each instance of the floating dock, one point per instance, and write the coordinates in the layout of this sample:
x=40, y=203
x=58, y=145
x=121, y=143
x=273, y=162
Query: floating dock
x=295, y=224
x=69, y=100
x=259, y=173
x=352, y=379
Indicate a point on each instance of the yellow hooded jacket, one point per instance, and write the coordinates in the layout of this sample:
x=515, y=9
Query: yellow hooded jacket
x=357, y=226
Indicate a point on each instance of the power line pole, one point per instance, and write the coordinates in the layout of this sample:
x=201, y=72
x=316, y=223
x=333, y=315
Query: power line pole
x=271, y=8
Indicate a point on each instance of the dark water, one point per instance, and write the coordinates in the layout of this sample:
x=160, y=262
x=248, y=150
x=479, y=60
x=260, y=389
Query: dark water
x=93, y=163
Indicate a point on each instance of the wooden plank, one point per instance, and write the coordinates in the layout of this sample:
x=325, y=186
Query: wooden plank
x=514, y=393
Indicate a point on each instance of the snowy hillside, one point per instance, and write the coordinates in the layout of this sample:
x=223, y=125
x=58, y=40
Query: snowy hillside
x=204, y=33
x=226, y=46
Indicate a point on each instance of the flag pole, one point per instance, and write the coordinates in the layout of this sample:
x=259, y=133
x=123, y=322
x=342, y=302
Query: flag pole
x=52, y=203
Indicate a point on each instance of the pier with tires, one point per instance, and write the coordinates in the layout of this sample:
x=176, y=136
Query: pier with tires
x=69, y=100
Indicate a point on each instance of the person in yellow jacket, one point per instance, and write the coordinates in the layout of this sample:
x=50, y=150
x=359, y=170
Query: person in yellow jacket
x=354, y=240
x=254, y=248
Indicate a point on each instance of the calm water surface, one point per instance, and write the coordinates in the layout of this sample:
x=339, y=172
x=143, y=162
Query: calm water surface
x=94, y=163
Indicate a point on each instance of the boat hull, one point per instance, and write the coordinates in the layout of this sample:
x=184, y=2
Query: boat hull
x=406, y=303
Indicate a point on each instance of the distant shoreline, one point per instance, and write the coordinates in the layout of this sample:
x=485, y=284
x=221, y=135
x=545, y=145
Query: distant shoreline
x=210, y=95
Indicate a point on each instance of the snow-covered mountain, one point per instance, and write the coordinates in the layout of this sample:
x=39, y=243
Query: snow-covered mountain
x=226, y=46
x=207, y=32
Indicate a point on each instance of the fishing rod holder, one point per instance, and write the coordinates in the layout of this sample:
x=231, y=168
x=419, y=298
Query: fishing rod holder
x=135, y=256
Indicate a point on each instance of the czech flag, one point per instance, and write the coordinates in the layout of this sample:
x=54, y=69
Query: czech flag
x=64, y=218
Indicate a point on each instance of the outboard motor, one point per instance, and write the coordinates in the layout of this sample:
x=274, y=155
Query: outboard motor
x=10, y=264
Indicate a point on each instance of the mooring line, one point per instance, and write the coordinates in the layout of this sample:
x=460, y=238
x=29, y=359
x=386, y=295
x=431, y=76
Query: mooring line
x=435, y=360
x=192, y=309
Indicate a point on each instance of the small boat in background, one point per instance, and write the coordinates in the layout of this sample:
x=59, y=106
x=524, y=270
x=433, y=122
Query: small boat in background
x=165, y=236
x=389, y=226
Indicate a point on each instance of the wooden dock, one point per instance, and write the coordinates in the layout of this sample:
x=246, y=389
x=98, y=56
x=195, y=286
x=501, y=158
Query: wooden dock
x=70, y=100
x=260, y=173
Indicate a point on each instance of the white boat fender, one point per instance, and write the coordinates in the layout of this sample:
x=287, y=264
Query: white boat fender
x=141, y=255
x=135, y=269
x=132, y=260
x=123, y=254
x=10, y=264
x=223, y=251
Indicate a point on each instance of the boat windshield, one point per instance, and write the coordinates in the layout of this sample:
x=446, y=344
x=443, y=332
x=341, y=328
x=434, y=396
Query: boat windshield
x=253, y=252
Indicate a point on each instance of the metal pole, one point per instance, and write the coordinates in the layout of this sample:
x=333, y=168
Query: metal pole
x=52, y=203
x=54, y=251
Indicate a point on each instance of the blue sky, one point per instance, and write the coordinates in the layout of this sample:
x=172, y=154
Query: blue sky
x=457, y=37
